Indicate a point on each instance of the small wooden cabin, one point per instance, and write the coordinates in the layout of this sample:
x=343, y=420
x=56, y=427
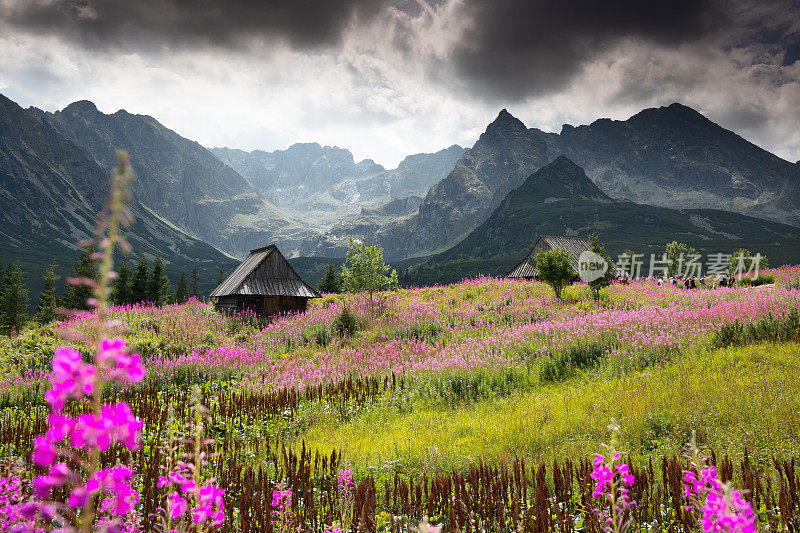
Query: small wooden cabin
x=264, y=283
x=527, y=267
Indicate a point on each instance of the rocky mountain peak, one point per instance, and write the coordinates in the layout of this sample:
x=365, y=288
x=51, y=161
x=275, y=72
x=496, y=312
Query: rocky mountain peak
x=560, y=180
x=80, y=107
x=563, y=162
x=505, y=121
x=672, y=114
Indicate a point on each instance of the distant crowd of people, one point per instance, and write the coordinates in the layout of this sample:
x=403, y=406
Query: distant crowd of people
x=702, y=282
x=691, y=282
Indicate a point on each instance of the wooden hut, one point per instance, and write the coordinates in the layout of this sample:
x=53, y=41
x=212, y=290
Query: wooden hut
x=527, y=267
x=264, y=283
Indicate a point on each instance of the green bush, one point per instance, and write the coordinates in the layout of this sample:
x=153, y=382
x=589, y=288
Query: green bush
x=319, y=335
x=426, y=332
x=771, y=329
x=245, y=332
x=750, y=281
x=575, y=293
x=455, y=388
x=562, y=364
x=346, y=324
x=555, y=368
x=32, y=350
x=148, y=346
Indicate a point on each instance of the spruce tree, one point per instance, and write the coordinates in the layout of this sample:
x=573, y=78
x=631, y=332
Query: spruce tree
x=123, y=286
x=221, y=276
x=13, y=300
x=596, y=285
x=330, y=282
x=159, y=288
x=181, y=293
x=140, y=285
x=76, y=295
x=194, y=290
x=48, y=302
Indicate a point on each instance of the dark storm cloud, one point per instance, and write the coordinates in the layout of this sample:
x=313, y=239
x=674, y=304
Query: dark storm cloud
x=516, y=49
x=302, y=24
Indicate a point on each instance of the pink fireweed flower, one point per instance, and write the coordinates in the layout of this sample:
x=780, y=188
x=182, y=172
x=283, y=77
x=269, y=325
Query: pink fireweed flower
x=72, y=378
x=612, y=480
x=211, y=505
x=44, y=453
x=129, y=368
x=115, y=480
x=721, y=508
x=110, y=349
x=14, y=512
x=282, y=500
x=177, y=505
x=92, y=432
x=188, y=486
x=60, y=427
x=126, y=428
x=344, y=481
x=56, y=477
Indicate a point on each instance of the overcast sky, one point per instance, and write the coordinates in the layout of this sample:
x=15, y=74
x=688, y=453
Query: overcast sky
x=386, y=79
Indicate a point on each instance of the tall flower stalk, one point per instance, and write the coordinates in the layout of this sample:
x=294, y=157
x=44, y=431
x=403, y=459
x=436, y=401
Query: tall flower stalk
x=612, y=482
x=282, y=514
x=719, y=506
x=346, y=492
x=70, y=449
x=194, y=503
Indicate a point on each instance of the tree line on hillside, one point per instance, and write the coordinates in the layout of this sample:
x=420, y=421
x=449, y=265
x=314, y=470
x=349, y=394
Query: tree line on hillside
x=134, y=284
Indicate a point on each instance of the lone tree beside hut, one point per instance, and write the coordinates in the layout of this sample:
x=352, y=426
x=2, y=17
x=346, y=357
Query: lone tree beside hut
x=554, y=267
x=365, y=271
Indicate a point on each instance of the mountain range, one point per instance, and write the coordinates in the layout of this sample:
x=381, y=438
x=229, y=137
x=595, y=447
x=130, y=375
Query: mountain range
x=675, y=173
x=51, y=192
x=189, y=204
x=324, y=185
x=560, y=199
x=671, y=156
x=179, y=180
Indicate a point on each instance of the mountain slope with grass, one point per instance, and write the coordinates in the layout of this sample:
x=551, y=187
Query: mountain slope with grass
x=673, y=156
x=50, y=195
x=179, y=180
x=560, y=199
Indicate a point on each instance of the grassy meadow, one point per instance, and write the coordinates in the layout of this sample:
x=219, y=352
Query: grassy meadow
x=444, y=382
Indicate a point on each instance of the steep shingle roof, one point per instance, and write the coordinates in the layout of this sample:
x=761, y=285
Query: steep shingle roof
x=276, y=277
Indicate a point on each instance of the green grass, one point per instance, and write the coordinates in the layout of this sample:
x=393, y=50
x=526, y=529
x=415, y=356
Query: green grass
x=734, y=398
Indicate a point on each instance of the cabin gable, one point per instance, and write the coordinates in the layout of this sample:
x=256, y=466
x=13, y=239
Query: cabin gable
x=264, y=283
